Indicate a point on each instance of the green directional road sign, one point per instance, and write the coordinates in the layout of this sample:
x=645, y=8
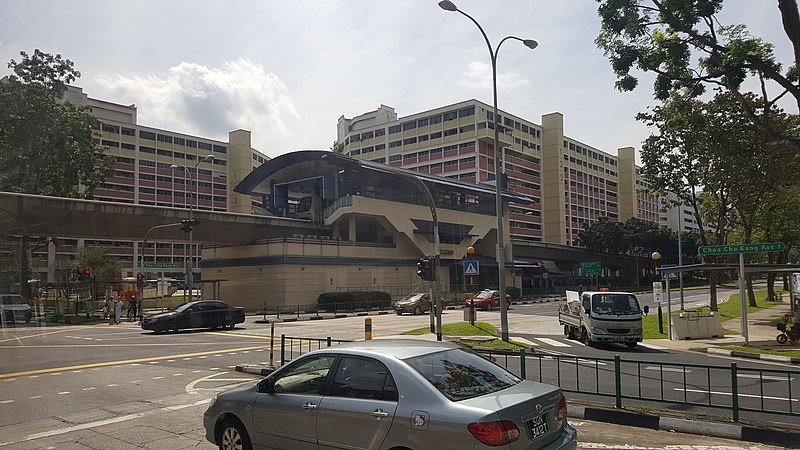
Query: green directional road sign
x=590, y=269
x=741, y=248
x=162, y=266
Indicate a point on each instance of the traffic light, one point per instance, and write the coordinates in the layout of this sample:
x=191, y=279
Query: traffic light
x=87, y=274
x=188, y=224
x=425, y=268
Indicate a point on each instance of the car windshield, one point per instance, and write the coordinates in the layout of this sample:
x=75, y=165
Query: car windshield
x=484, y=294
x=12, y=300
x=414, y=297
x=461, y=374
x=184, y=306
x=615, y=304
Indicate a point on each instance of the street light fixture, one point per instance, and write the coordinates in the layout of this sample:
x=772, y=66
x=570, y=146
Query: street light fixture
x=193, y=180
x=447, y=5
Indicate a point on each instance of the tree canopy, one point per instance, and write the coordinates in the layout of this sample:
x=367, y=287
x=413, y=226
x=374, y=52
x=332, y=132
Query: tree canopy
x=47, y=145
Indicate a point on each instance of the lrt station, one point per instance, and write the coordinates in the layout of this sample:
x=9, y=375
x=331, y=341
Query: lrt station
x=280, y=232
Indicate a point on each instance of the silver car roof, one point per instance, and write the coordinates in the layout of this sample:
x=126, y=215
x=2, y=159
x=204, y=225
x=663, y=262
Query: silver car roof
x=397, y=348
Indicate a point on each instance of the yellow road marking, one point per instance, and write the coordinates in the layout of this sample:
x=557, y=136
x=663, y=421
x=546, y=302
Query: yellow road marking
x=40, y=334
x=128, y=361
x=12, y=347
x=252, y=336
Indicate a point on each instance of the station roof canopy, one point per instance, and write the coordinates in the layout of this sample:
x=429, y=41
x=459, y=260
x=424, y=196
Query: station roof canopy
x=304, y=164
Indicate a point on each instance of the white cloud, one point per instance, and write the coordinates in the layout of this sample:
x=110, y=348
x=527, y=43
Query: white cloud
x=208, y=101
x=478, y=76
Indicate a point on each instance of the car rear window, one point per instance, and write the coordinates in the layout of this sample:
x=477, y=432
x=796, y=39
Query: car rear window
x=461, y=374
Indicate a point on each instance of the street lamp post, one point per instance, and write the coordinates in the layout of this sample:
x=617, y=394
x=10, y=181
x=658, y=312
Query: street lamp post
x=144, y=245
x=193, y=180
x=447, y=5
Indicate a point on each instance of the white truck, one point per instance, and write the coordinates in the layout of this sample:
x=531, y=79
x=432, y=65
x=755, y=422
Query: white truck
x=602, y=317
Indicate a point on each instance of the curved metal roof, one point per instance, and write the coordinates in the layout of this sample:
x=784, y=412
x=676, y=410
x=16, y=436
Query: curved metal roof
x=309, y=163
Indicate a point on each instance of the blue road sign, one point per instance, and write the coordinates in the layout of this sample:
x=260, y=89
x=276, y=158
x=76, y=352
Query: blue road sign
x=672, y=275
x=471, y=267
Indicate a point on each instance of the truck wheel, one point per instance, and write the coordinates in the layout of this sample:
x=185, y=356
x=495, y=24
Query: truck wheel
x=569, y=332
x=585, y=337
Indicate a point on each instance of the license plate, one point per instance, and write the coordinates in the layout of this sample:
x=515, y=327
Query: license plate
x=537, y=426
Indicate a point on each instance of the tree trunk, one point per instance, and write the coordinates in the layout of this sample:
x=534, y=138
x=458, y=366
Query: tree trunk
x=712, y=289
x=751, y=295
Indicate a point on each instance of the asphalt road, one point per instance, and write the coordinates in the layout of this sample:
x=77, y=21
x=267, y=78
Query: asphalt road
x=118, y=387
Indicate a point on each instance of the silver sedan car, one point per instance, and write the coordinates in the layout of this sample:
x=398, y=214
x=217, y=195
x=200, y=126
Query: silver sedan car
x=391, y=394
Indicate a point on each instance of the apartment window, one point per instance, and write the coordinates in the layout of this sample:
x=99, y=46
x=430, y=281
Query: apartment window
x=379, y=160
x=466, y=112
x=409, y=141
x=204, y=146
x=395, y=129
x=395, y=158
x=220, y=149
x=164, y=138
x=422, y=122
x=436, y=135
x=451, y=132
x=467, y=128
x=380, y=132
x=367, y=135
x=435, y=119
x=147, y=176
x=127, y=146
x=452, y=115
x=128, y=131
x=380, y=147
x=423, y=137
x=409, y=126
x=144, y=149
x=394, y=144
x=110, y=128
x=191, y=143
x=178, y=155
x=147, y=135
x=110, y=143
x=146, y=163
x=121, y=159
x=165, y=153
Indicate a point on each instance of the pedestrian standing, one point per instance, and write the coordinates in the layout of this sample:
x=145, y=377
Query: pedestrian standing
x=117, y=311
x=111, y=304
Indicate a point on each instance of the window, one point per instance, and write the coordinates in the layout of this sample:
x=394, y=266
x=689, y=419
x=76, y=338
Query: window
x=452, y=115
x=306, y=376
x=220, y=149
x=409, y=141
x=191, y=143
x=363, y=378
x=144, y=149
x=110, y=143
x=128, y=146
x=380, y=132
x=451, y=132
x=147, y=135
x=204, y=145
x=466, y=112
x=110, y=128
x=163, y=138
x=165, y=153
x=435, y=119
x=422, y=123
x=436, y=135
x=394, y=129
x=409, y=126
x=462, y=374
x=128, y=131
x=394, y=144
x=180, y=141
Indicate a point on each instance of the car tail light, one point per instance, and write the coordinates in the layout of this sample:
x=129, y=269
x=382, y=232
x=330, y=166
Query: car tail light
x=495, y=433
x=562, y=409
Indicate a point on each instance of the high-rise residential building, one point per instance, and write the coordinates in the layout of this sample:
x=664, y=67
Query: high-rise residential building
x=573, y=182
x=161, y=168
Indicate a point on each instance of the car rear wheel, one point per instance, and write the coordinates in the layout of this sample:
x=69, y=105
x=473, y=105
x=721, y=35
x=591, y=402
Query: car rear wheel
x=229, y=324
x=232, y=436
x=173, y=326
x=417, y=311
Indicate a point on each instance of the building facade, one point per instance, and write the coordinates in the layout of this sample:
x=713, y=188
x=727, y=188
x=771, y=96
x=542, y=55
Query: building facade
x=573, y=183
x=162, y=168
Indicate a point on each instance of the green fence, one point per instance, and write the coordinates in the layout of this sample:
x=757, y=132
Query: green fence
x=730, y=389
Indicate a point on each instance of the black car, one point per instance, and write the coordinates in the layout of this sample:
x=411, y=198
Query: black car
x=201, y=314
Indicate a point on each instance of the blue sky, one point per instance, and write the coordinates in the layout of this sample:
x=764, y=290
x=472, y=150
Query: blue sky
x=287, y=70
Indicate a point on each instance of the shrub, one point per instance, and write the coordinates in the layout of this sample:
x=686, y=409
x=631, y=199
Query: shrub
x=514, y=292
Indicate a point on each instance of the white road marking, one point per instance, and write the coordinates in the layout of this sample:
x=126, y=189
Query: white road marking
x=652, y=346
x=3, y=402
x=112, y=385
x=88, y=389
x=176, y=374
x=35, y=397
x=553, y=342
x=668, y=369
x=157, y=378
x=766, y=397
x=63, y=393
x=764, y=377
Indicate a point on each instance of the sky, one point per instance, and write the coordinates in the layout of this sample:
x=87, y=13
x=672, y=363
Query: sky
x=288, y=70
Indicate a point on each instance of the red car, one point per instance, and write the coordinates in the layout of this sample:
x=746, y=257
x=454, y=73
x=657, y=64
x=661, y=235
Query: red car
x=486, y=299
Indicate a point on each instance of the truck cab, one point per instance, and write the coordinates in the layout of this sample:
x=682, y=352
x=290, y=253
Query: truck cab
x=603, y=317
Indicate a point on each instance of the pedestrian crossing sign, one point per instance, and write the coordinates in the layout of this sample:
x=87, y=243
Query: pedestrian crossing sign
x=471, y=267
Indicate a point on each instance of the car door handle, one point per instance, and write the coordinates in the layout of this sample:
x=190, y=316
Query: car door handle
x=379, y=413
x=309, y=406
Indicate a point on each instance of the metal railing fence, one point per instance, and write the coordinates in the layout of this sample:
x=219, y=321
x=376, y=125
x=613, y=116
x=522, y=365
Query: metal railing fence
x=730, y=388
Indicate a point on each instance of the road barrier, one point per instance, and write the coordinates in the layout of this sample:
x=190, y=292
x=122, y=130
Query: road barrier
x=732, y=389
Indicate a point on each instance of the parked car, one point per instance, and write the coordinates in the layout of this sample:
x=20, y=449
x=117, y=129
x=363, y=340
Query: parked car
x=414, y=304
x=14, y=308
x=486, y=299
x=385, y=394
x=199, y=314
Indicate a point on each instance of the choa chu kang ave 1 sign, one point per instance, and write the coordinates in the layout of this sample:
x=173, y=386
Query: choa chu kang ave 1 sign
x=741, y=248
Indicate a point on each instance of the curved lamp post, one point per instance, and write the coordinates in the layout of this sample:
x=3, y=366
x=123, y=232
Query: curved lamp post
x=191, y=212
x=447, y=5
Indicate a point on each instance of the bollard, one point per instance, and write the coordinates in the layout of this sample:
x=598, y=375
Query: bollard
x=265, y=310
x=660, y=320
x=367, y=329
x=271, y=344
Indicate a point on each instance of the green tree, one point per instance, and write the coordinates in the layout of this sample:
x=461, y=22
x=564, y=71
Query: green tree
x=683, y=43
x=47, y=145
x=105, y=268
x=337, y=147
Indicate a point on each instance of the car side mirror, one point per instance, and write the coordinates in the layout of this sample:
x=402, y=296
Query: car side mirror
x=646, y=309
x=267, y=385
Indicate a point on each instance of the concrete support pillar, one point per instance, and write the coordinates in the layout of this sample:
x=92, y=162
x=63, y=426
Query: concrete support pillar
x=352, y=229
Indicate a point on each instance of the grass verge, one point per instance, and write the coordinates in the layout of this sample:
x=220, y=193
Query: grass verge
x=464, y=329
